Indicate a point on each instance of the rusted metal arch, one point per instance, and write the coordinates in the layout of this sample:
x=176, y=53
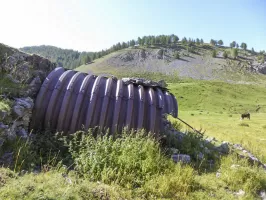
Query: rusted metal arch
x=69, y=101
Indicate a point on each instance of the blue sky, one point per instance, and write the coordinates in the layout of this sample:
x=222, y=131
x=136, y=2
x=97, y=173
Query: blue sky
x=90, y=25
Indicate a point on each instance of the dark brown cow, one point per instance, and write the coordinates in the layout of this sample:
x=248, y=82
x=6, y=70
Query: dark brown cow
x=245, y=115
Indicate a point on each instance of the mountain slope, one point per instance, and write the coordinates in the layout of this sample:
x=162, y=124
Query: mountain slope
x=67, y=58
x=197, y=63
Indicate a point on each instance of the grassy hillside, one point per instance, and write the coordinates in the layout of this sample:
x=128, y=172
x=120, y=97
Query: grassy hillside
x=194, y=62
x=216, y=108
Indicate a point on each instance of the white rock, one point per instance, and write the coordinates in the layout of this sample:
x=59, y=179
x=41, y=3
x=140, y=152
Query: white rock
x=240, y=193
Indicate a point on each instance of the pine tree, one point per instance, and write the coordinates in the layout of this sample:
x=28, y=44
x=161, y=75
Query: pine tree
x=220, y=42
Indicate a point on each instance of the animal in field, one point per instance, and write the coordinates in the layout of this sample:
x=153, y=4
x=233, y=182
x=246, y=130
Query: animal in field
x=245, y=115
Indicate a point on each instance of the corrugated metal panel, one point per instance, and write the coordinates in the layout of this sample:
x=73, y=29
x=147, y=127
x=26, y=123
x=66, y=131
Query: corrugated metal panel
x=69, y=101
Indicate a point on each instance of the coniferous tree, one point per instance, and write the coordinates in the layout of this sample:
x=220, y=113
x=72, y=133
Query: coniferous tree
x=234, y=53
x=233, y=44
x=198, y=41
x=243, y=46
x=220, y=42
x=184, y=40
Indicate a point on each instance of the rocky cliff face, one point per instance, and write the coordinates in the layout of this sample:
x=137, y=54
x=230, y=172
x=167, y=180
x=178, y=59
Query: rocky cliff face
x=21, y=76
x=27, y=70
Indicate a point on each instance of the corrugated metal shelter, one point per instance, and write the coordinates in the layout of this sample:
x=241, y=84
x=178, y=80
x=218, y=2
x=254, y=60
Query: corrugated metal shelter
x=69, y=101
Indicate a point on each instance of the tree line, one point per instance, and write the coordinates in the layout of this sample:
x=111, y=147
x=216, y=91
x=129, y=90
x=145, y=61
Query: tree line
x=147, y=41
x=71, y=59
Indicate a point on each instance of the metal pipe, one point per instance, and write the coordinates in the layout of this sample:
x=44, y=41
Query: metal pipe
x=69, y=101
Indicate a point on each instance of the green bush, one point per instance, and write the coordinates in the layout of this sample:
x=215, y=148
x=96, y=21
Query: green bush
x=129, y=160
x=214, y=53
x=225, y=55
x=176, y=55
x=234, y=53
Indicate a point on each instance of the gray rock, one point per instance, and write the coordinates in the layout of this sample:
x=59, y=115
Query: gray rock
x=3, y=126
x=200, y=155
x=142, y=53
x=181, y=158
x=263, y=194
x=13, y=129
x=23, y=172
x=19, y=110
x=174, y=150
x=22, y=105
x=218, y=174
x=223, y=148
x=21, y=132
x=159, y=54
x=11, y=60
x=234, y=166
x=240, y=193
x=3, y=114
x=25, y=102
x=210, y=139
x=162, y=83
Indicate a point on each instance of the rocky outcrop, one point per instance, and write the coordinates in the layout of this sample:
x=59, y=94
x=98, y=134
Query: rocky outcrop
x=25, y=73
x=29, y=70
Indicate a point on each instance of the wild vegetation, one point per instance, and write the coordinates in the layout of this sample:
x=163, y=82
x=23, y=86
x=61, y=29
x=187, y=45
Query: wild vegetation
x=128, y=167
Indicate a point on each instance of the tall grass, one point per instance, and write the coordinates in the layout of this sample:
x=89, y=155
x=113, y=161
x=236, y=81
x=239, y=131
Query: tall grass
x=129, y=160
x=131, y=166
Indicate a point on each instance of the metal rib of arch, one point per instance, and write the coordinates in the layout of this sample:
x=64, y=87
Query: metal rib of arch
x=69, y=101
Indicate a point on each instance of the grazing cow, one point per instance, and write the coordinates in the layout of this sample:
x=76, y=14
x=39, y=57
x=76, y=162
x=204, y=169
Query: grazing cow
x=245, y=115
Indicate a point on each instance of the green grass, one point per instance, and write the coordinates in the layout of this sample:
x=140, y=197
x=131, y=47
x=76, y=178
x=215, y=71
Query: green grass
x=131, y=167
x=5, y=105
x=216, y=108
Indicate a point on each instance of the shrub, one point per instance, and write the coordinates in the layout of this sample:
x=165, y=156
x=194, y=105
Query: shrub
x=176, y=55
x=214, y=53
x=234, y=53
x=5, y=175
x=129, y=160
x=225, y=55
x=176, y=125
